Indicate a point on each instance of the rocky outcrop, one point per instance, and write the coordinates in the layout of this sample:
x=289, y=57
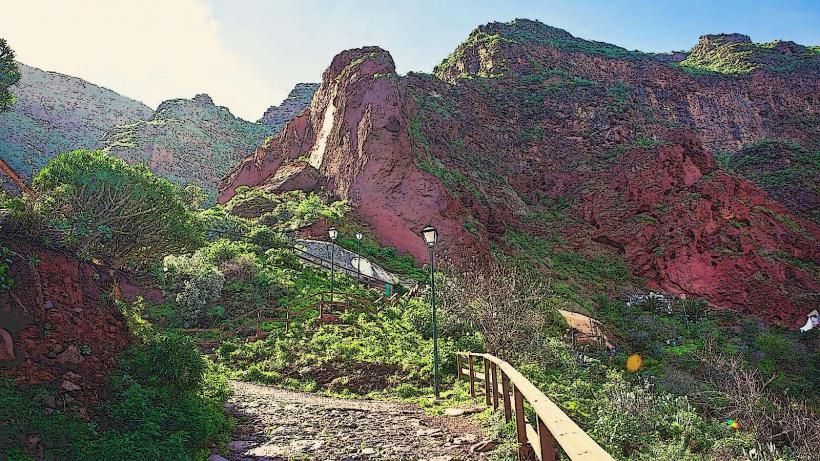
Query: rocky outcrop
x=187, y=141
x=737, y=54
x=60, y=327
x=356, y=134
x=691, y=229
x=295, y=176
x=523, y=116
x=297, y=101
x=57, y=113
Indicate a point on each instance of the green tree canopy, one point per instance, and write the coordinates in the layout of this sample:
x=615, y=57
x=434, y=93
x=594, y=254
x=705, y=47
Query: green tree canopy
x=9, y=75
x=108, y=210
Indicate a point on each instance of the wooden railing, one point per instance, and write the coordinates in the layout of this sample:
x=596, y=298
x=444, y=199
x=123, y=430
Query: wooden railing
x=364, y=279
x=553, y=425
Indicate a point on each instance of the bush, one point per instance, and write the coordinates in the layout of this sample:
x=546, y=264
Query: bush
x=120, y=214
x=167, y=359
x=198, y=294
x=166, y=403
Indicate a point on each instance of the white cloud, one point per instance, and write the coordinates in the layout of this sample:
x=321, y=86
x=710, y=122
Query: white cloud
x=151, y=50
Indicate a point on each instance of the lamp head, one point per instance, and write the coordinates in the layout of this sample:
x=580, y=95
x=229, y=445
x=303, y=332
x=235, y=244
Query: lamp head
x=332, y=233
x=359, y=235
x=430, y=236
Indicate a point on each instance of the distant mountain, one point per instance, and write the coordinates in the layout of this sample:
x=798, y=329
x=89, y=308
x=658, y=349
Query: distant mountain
x=187, y=141
x=56, y=113
x=297, y=101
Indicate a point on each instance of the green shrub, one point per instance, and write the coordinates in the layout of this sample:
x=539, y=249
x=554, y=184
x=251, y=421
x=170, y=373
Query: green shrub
x=167, y=359
x=105, y=209
x=166, y=403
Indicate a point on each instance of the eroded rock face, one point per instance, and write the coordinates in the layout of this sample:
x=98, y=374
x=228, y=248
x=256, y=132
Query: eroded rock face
x=355, y=133
x=690, y=229
x=523, y=116
x=65, y=332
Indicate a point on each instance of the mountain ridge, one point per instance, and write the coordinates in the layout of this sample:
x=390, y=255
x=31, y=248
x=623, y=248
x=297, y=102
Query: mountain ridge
x=568, y=156
x=55, y=112
x=187, y=140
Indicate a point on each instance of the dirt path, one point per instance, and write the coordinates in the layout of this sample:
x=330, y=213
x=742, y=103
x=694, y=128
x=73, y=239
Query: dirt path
x=277, y=425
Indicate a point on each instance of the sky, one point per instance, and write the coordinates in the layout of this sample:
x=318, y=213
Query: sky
x=248, y=54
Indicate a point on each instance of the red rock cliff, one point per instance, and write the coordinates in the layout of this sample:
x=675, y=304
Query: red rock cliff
x=522, y=115
x=356, y=134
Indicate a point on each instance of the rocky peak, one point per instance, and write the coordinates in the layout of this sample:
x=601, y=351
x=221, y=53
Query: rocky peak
x=524, y=29
x=368, y=60
x=199, y=106
x=498, y=49
x=736, y=54
x=720, y=39
x=297, y=101
x=203, y=99
x=788, y=47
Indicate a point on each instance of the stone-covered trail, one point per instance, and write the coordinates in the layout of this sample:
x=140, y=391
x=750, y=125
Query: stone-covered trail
x=280, y=425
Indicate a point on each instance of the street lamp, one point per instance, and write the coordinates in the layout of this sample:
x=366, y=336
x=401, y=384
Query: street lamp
x=359, y=255
x=332, y=233
x=430, y=236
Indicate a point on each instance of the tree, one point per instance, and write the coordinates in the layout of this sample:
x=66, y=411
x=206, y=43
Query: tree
x=194, y=197
x=511, y=308
x=9, y=75
x=119, y=214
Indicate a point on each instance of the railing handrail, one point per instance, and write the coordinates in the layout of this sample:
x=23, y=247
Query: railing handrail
x=307, y=256
x=375, y=282
x=554, y=426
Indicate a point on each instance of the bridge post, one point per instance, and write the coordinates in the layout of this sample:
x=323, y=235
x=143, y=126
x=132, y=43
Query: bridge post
x=495, y=386
x=547, y=441
x=487, y=382
x=521, y=426
x=505, y=386
x=258, y=323
x=472, y=375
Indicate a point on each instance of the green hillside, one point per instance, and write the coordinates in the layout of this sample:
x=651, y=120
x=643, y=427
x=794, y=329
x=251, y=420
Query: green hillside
x=187, y=141
x=57, y=113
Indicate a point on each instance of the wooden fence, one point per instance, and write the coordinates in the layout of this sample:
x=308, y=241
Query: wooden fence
x=553, y=425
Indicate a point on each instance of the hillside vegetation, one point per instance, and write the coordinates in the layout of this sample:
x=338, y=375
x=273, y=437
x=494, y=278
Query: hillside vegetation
x=562, y=173
x=736, y=54
x=673, y=408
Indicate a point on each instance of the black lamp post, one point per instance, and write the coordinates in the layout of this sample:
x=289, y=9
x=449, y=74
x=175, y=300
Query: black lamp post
x=358, y=255
x=332, y=233
x=430, y=236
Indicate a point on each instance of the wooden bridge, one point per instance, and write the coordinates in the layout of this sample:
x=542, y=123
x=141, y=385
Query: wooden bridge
x=554, y=427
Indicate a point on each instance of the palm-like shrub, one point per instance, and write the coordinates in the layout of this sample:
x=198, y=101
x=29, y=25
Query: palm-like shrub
x=119, y=214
